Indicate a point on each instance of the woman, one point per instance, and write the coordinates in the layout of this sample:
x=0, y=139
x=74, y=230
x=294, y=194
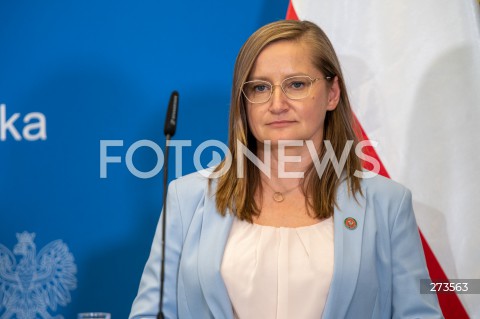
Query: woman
x=280, y=235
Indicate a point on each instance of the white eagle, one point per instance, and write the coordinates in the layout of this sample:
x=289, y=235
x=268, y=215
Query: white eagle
x=37, y=282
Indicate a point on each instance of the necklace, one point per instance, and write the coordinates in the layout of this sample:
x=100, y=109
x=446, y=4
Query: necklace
x=280, y=196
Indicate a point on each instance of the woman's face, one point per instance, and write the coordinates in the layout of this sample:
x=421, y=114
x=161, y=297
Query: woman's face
x=281, y=118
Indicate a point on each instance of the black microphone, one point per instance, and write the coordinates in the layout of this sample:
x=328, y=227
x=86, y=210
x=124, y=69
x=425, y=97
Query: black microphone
x=171, y=119
x=169, y=130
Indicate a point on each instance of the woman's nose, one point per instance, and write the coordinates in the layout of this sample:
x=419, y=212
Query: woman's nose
x=278, y=100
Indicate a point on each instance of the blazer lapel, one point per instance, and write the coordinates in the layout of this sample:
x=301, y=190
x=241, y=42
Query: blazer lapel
x=213, y=238
x=348, y=251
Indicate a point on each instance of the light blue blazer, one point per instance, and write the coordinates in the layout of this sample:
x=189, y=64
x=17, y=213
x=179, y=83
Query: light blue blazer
x=377, y=267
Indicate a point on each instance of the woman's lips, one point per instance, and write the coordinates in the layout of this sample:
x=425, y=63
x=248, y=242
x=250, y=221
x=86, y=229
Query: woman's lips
x=282, y=123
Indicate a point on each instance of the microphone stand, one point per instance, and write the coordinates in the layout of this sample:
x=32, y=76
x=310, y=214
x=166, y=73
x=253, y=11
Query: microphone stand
x=169, y=130
x=164, y=221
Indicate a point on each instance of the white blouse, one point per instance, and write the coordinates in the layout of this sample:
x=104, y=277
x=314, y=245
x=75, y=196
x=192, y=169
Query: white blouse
x=278, y=272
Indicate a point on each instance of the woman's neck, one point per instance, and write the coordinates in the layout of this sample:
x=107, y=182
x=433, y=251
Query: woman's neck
x=288, y=162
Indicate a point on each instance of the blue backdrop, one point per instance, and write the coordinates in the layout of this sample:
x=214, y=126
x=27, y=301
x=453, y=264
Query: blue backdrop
x=73, y=73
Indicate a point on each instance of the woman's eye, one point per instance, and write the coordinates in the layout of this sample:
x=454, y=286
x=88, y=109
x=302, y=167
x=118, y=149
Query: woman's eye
x=297, y=85
x=260, y=88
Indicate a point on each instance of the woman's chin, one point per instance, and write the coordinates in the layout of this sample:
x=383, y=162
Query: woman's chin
x=285, y=141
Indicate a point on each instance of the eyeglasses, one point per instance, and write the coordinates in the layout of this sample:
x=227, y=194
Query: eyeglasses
x=295, y=88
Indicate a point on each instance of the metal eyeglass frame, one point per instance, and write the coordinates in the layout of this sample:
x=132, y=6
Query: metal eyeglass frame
x=328, y=78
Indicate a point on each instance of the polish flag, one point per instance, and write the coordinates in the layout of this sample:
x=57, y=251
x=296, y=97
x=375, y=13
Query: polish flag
x=412, y=69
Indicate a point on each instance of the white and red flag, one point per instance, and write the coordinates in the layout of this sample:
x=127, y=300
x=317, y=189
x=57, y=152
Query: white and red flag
x=412, y=69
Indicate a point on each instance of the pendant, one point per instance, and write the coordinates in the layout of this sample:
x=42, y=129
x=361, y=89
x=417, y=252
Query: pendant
x=278, y=197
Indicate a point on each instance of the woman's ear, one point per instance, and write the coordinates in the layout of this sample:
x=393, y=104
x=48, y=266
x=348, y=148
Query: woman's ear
x=333, y=94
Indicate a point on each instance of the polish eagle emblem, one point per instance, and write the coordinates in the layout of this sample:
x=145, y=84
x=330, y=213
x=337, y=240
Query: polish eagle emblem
x=37, y=284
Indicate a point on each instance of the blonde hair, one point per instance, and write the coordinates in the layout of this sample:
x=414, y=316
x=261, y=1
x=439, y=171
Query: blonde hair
x=237, y=194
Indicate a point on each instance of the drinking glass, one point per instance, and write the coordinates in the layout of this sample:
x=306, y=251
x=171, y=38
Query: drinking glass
x=94, y=315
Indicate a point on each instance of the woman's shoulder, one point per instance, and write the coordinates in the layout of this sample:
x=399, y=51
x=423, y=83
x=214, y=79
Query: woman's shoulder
x=186, y=195
x=380, y=189
x=383, y=186
x=192, y=185
x=387, y=199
